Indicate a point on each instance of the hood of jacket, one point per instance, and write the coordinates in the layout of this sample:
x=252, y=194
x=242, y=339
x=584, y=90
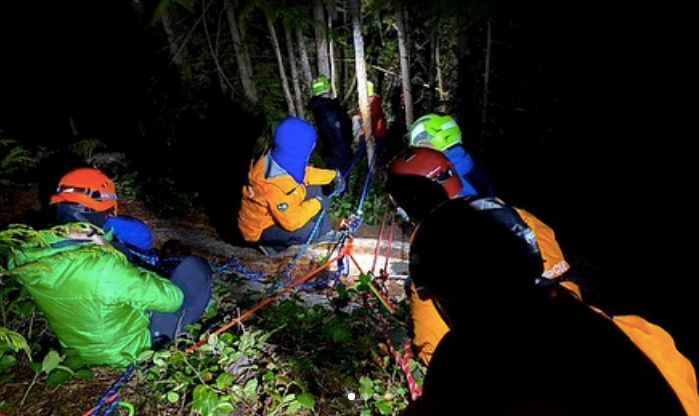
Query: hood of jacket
x=294, y=140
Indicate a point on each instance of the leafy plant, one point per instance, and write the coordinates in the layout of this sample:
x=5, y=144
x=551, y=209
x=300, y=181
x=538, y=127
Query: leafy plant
x=14, y=160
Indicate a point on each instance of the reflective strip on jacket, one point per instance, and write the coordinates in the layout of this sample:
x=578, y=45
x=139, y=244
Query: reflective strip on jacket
x=94, y=300
x=278, y=200
x=554, y=262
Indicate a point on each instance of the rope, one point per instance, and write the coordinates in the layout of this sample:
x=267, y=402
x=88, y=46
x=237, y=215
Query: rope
x=403, y=361
x=111, y=394
x=345, y=246
x=263, y=303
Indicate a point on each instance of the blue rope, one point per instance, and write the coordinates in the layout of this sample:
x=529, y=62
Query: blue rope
x=304, y=247
x=235, y=265
x=113, y=389
x=112, y=406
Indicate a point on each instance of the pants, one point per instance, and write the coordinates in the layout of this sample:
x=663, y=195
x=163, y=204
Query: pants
x=279, y=238
x=193, y=276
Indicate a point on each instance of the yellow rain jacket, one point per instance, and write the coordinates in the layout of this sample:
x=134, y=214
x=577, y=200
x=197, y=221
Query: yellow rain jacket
x=278, y=200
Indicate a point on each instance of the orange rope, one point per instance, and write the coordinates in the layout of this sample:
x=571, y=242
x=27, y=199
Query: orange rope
x=270, y=299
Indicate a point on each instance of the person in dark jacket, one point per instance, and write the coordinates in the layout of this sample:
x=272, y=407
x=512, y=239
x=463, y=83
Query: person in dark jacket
x=514, y=348
x=96, y=300
x=334, y=127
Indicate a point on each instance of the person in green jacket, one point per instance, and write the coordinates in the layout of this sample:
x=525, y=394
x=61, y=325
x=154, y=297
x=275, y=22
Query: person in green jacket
x=95, y=300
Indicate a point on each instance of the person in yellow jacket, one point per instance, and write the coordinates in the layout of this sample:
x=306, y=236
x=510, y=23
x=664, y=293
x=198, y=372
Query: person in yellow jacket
x=406, y=175
x=284, y=198
x=514, y=348
x=419, y=181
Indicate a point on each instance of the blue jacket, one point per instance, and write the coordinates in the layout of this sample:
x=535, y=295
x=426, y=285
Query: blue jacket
x=473, y=178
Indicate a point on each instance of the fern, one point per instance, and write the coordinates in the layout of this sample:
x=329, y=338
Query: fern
x=15, y=341
x=14, y=159
x=86, y=148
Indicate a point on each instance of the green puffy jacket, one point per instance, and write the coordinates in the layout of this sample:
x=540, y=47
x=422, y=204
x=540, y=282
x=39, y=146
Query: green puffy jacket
x=94, y=299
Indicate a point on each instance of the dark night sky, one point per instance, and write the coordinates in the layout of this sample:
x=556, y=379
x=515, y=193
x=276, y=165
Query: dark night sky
x=626, y=81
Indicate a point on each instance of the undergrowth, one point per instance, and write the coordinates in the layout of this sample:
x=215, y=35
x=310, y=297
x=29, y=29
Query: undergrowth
x=287, y=359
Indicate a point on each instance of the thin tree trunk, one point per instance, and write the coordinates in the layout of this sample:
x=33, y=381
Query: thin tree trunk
x=298, y=93
x=440, y=79
x=303, y=53
x=401, y=17
x=431, y=73
x=280, y=63
x=355, y=6
x=331, y=60
x=321, y=38
x=141, y=16
x=175, y=53
x=486, y=75
x=241, y=56
x=295, y=81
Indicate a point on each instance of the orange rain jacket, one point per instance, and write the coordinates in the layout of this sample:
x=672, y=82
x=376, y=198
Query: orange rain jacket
x=658, y=345
x=279, y=200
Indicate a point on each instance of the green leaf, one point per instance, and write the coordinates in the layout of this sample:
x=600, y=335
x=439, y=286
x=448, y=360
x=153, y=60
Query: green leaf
x=58, y=377
x=366, y=386
x=35, y=366
x=50, y=361
x=205, y=400
x=384, y=408
x=307, y=400
x=73, y=362
x=85, y=374
x=250, y=389
x=173, y=397
x=224, y=380
x=7, y=361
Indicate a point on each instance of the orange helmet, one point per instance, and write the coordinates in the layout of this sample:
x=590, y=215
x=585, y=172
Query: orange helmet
x=88, y=187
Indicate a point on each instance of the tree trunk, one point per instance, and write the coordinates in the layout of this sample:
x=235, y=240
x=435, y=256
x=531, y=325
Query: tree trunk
x=441, y=94
x=303, y=53
x=331, y=60
x=321, y=38
x=298, y=93
x=241, y=56
x=175, y=54
x=280, y=64
x=401, y=17
x=355, y=6
x=486, y=75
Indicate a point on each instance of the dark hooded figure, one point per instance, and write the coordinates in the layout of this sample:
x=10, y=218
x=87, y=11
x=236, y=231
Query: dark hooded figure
x=334, y=127
x=283, y=201
x=514, y=348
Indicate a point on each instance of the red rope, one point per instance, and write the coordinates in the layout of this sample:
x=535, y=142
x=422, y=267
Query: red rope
x=378, y=243
x=272, y=298
x=403, y=361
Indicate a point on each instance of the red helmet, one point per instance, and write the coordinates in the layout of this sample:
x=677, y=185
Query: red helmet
x=88, y=187
x=419, y=179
